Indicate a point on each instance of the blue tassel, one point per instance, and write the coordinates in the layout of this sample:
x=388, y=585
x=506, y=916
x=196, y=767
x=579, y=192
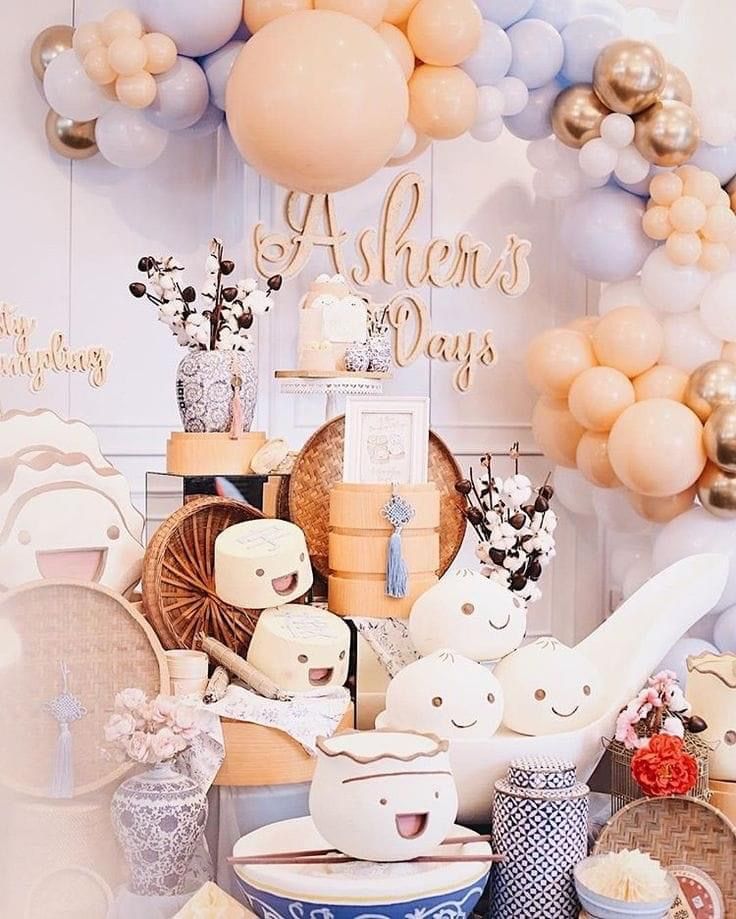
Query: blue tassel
x=397, y=576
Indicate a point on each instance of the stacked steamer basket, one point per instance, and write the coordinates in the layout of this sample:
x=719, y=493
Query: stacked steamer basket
x=358, y=548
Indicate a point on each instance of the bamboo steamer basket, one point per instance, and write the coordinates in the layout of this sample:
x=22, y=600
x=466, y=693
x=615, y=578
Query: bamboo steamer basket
x=723, y=796
x=259, y=755
x=358, y=548
x=212, y=454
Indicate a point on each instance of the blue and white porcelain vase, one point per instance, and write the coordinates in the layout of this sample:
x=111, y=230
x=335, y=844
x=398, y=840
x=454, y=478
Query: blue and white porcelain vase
x=540, y=822
x=379, y=351
x=159, y=817
x=206, y=383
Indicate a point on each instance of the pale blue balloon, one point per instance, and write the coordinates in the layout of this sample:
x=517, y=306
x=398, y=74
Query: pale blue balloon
x=603, y=236
x=218, y=67
x=608, y=8
x=209, y=122
x=724, y=631
x=676, y=658
x=504, y=12
x=197, y=27
x=182, y=98
x=584, y=39
x=492, y=59
x=556, y=12
x=537, y=52
x=721, y=161
x=535, y=121
x=641, y=188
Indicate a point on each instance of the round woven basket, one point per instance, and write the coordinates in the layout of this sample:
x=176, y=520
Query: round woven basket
x=179, y=577
x=319, y=467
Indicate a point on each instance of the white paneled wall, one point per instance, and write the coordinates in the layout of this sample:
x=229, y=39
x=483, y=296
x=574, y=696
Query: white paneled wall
x=72, y=235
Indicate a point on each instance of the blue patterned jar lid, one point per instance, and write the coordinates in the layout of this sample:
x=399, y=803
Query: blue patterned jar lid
x=541, y=773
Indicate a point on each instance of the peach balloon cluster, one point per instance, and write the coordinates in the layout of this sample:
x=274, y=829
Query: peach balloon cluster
x=609, y=409
x=689, y=209
x=118, y=54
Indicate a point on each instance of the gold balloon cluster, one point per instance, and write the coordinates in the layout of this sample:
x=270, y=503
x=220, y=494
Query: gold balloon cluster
x=711, y=394
x=74, y=140
x=632, y=78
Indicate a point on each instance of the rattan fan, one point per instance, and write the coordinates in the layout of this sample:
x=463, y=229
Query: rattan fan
x=319, y=466
x=95, y=637
x=678, y=831
x=179, y=576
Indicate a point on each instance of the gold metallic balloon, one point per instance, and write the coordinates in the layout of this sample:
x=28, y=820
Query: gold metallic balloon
x=74, y=140
x=577, y=115
x=709, y=386
x=629, y=76
x=677, y=86
x=719, y=437
x=668, y=133
x=48, y=45
x=717, y=491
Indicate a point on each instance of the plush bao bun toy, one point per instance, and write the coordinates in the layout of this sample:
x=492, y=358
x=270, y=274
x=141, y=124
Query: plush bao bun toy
x=262, y=563
x=300, y=647
x=445, y=694
x=383, y=796
x=711, y=689
x=330, y=315
x=465, y=611
x=549, y=689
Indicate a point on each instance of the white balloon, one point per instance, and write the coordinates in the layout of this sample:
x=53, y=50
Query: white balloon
x=490, y=104
x=718, y=306
x=622, y=293
x=694, y=532
x=676, y=658
x=625, y=556
x=613, y=509
x=217, y=68
x=717, y=126
x=724, y=631
x=487, y=130
x=198, y=28
x=597, y=159
x=563, y=183
x=515, y=95
x=70, y=92
x=126, y=138
x=631, y=167
x=182, y=98
x=670, y=287
x=687, y=343
x=573, y=491
x=617, y=130
x=543, y=153
x=637, y=575
x=407, y=142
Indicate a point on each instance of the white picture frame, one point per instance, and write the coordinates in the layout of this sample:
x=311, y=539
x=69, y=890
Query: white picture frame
x=386, y=440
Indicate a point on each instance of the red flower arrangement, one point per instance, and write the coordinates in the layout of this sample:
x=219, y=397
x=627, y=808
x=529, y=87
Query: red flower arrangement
x=664, y=767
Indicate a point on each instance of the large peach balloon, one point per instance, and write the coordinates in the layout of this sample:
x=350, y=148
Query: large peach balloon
x=628, y=338
x=656, y=447
x=444, y=32
x=592, y=460
x=598, y=396
x=555, y=358
x=258, y=13
x=661, y=382
x=442, y=101
x=398, y=11
x=662, y=510
x=316, y=101
x=369, y=11
x=399, y=46
x=556, y=432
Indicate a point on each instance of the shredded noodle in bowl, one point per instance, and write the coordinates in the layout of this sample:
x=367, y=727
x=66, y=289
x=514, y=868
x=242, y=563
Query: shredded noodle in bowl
x=630, y=876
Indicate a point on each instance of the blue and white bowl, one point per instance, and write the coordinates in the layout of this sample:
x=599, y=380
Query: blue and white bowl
x=599, y=907
x=356, y=890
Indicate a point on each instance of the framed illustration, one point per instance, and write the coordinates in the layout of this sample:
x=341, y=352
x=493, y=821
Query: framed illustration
x=386, y=440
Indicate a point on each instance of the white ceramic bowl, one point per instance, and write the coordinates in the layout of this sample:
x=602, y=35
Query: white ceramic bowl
x=600, y=907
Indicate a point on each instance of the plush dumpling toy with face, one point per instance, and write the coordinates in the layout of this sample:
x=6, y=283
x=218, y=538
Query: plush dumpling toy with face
x=262, y=563
x=711, y=689
x=446, y=694
x=465, y=611
x=549, y=689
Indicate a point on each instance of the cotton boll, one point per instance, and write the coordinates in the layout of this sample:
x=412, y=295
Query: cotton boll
x=259, y=302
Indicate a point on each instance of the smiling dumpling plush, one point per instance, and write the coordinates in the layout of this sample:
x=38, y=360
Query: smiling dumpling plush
x=383, y=796
x=447, y=694
x=470, y=614
x=300, y=647
x=549, y=689
x=262, y=563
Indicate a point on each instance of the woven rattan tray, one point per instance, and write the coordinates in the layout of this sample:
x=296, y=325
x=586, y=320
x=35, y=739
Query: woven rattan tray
x=678, y=831
x=179, y=576
x=319, y=466
x=104, y=644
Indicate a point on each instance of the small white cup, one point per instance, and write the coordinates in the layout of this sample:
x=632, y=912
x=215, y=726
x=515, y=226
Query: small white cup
x=188, y=671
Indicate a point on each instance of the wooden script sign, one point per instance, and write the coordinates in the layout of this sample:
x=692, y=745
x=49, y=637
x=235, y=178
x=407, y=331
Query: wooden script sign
x=387, y=254
x=56, y=357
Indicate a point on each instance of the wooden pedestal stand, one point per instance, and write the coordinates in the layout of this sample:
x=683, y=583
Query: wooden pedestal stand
x=212, y=454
